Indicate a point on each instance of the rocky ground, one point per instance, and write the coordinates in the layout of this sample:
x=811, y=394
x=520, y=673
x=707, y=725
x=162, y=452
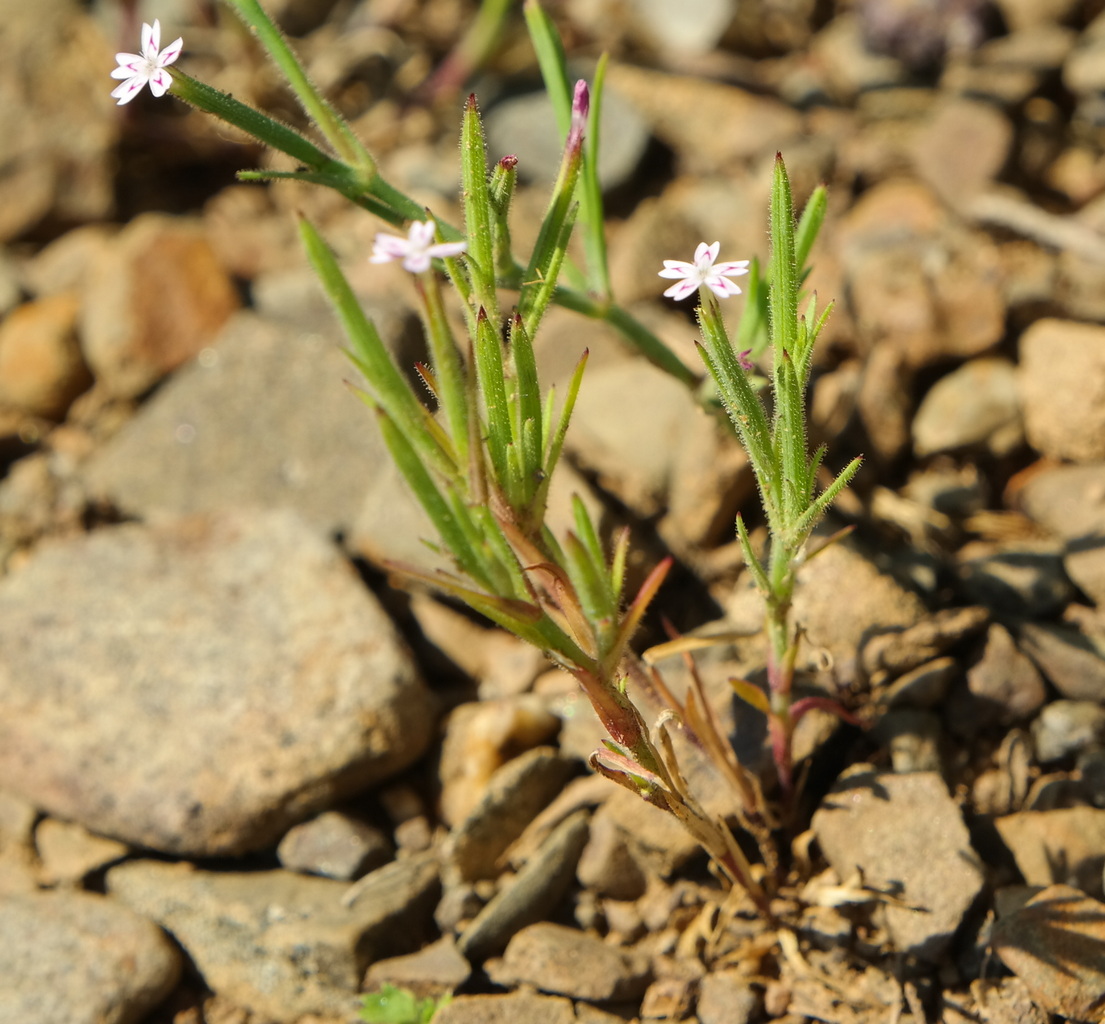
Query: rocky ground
x=245, y=775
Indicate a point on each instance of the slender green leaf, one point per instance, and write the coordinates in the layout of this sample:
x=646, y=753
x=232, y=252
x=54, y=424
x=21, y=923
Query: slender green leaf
x=430, y=498
x=260, y=126
x=537, y=292
x=528, y=387
x=551, y=61
x=389, y=387
x=763, y=584
x=332, y=125
x=809, y=225
x=590, y=191
x=448, y=368
x=489, y=373
x=477, y=209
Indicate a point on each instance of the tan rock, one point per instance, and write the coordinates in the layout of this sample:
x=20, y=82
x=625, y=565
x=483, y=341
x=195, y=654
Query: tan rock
x=155, y=300
x=41, y=369
x=1062, y=383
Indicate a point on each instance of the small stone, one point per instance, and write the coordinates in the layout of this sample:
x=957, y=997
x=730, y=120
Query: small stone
x=1062, y=381
x=668, y=29
x=434, y=971
x=1035, y=14
x=898, y=652
x=80, y=958
x=1067, y=727
x=70, y=852
x=18, y=863
x=913, y=738
x=515, y=1008
x=1017, y=579
x=922, y=687
x=976, y=405
x=903, y=831
x=655, y=836
x=1070, y=659
x=1065, y=845
x=155, y=299
x=1070, y=501
x=683, y=112
x=962, y=148
x=843, y=601
x=532, y=894
x=567, y=962
x=607, y=866
x=334, y=845
x=633, y=453
x=1082, y=73
x=526, y=126
x=479, y=739
x=727, y=997
x=1006, y=685
x=945, y=304
x=850, y=67
x=1055, y=944
x=64, y=264
x=41, y=367
x=279, y=943
x=515, y=794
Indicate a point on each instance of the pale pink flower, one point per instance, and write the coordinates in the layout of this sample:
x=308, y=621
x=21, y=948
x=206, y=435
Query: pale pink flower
x=416, y=250
x=704, y=271
x=147, y=67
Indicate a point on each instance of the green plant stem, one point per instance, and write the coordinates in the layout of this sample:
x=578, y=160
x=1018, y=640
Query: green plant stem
x=336, y=131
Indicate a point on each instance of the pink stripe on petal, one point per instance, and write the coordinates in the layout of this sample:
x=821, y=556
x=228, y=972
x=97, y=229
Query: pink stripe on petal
x=172, y=51
x=128, y=90
x=735, y=267
x=160, y=82
x=151, y=36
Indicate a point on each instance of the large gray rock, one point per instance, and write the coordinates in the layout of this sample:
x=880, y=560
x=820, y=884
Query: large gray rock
x=907, y=837
x=279, y=943
x=199, y=686
x=80, y=958
x=262, y=417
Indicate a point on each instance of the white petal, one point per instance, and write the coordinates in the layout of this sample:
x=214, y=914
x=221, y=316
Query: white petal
x=722, y=287
x=171, y=52
x=446, y=249
x=151, y=37
x=125, y=71
x=702, y=253
x=160, y=81
x=129, y=89
x=386, y=248
x=681, y=290
x=734, y=268
x=421, y=233
x=417, y=262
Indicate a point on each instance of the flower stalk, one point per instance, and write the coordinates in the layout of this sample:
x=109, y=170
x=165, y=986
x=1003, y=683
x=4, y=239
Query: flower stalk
x=785, y=471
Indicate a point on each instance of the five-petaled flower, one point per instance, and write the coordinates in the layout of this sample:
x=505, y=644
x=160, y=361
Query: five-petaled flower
x=704, y=271
x=147, y=67
x=416, y=250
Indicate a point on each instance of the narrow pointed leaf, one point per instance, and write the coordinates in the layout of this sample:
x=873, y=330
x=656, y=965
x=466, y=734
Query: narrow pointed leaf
x=389, y=387
x=332, y=125
x=477, y=208
x=752, y=695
